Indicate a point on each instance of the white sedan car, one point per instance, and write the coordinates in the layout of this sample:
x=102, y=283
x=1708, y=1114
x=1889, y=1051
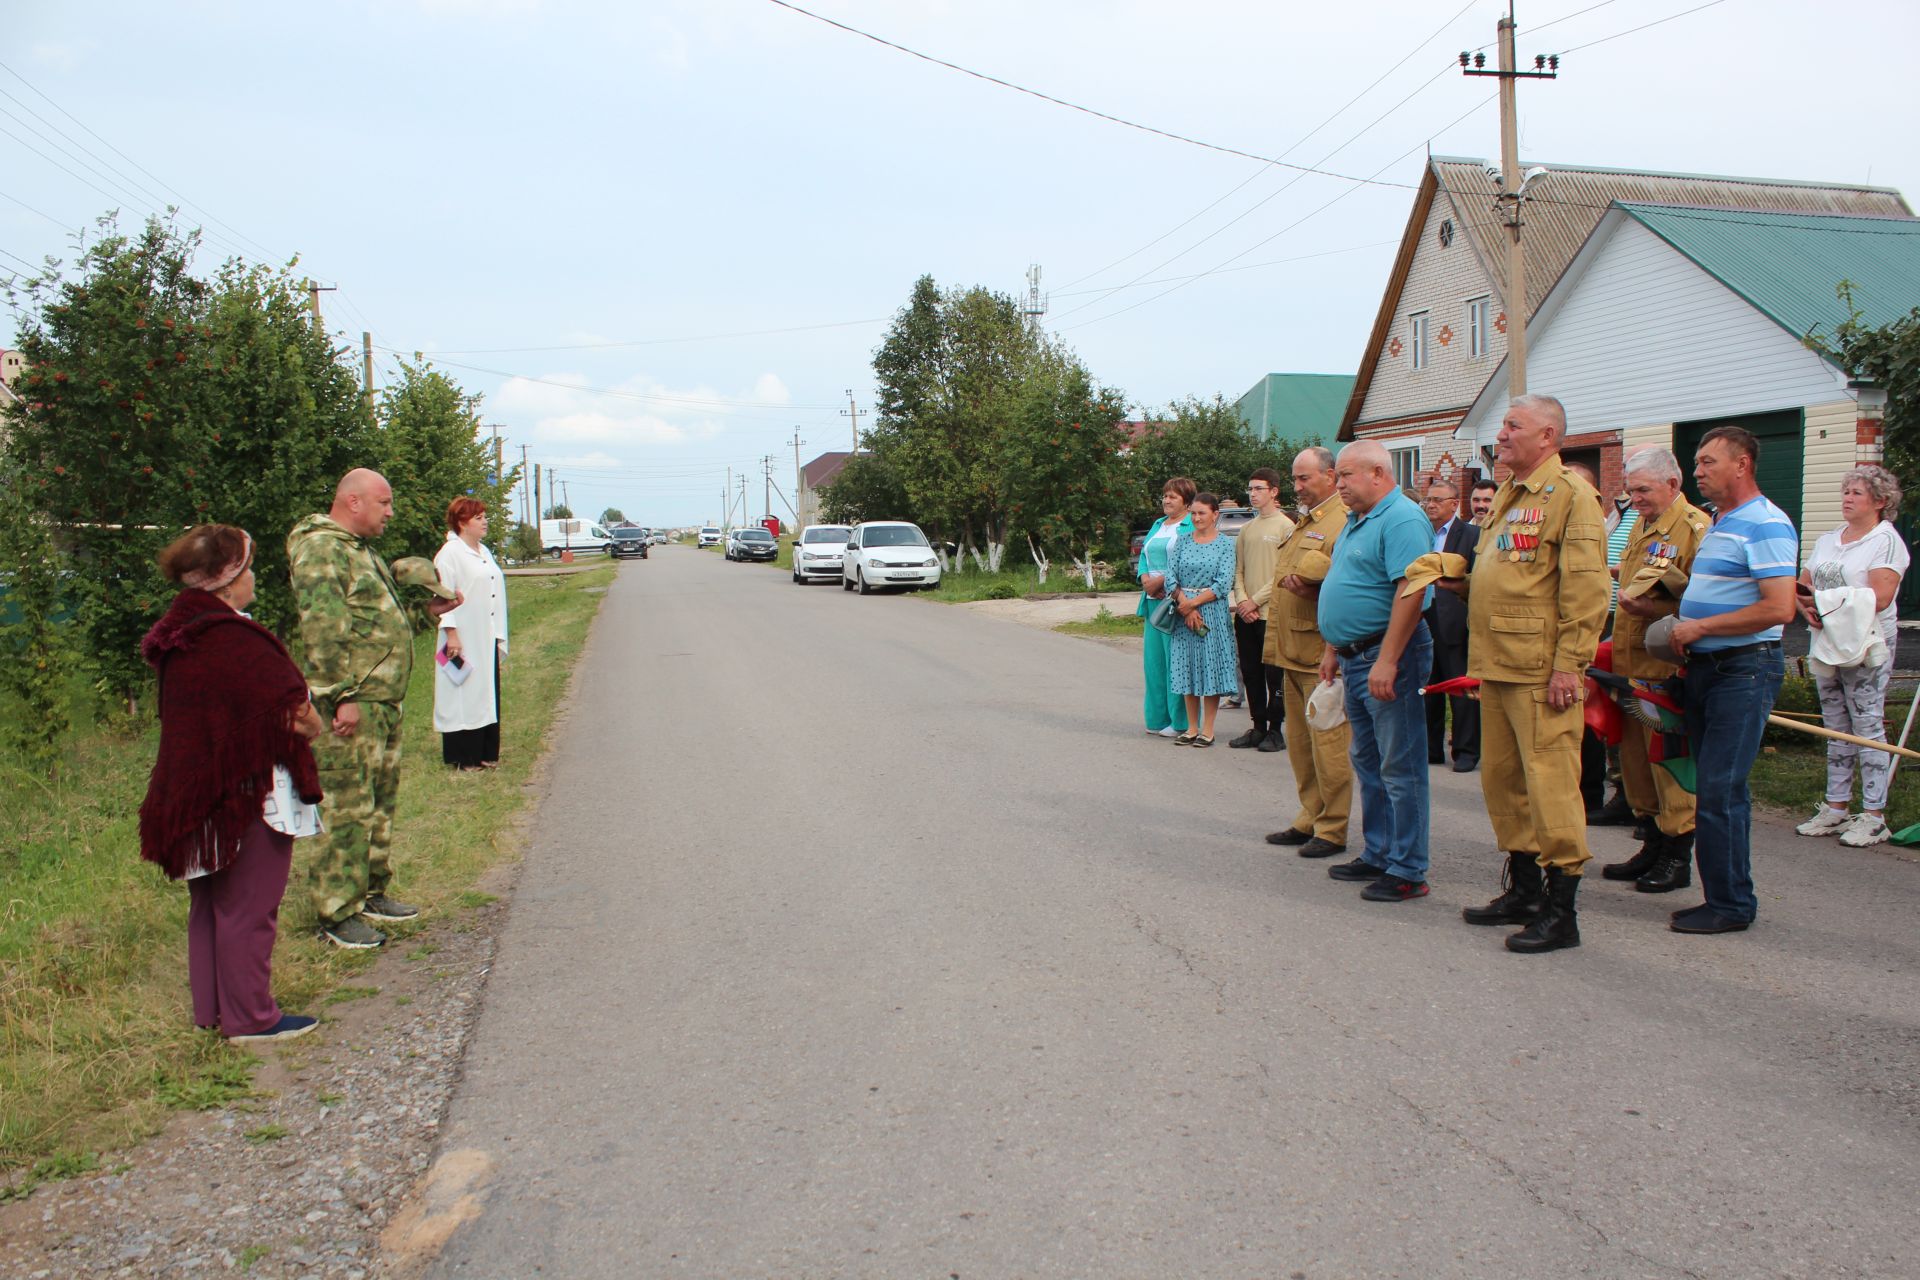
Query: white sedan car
x=818, y=551
x=888, y=553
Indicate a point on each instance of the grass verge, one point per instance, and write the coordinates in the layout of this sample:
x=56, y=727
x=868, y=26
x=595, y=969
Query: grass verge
x=96, y=1043
x=1015, y=583
x=1104, y=623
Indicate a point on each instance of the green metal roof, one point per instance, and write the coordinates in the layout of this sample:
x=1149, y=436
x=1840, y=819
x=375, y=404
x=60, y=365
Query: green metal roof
x=1788, y=265
x=1296, y=406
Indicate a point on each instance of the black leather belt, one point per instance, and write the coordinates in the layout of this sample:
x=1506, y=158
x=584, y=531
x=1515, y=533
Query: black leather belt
x=1359, y=647
x=1715, y=655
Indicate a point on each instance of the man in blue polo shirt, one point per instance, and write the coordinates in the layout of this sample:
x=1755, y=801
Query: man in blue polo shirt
x=1380, y=645
x=1739, y=595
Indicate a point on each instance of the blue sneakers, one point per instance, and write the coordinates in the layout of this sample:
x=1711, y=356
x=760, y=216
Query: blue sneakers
x=291, y=1026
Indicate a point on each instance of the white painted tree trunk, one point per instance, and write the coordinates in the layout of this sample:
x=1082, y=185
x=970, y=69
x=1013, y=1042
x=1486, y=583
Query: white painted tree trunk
x=996, y=555
x=1039, y=559
x=1085, y=567
x=979, y=561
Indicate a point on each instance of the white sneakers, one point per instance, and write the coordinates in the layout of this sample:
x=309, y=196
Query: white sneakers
x=1866, y=829
x=1856, y=830
x=1826, y=822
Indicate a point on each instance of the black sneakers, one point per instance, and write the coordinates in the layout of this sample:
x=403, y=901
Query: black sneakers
x=1391, y=888
x=353, y=934
x=380, y=907
x=1357, y=870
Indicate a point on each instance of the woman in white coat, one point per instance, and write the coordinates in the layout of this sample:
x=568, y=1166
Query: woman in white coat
x=467, y=713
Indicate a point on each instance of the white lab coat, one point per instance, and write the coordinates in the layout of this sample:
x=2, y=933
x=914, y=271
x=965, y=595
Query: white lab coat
x=481, y=620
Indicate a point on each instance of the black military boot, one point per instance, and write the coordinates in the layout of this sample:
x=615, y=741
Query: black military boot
x=1645, y=829
x=1616, y=812
x=1520, y=900
x=1558, y=925
x=1673, y=871
x=1652, y=850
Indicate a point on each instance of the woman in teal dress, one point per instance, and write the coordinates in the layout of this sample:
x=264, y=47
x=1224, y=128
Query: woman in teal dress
x=1204, y=663
x=1166, y=711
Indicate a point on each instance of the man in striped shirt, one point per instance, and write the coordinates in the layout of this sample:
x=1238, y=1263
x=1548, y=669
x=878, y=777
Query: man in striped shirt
x=1737, y=599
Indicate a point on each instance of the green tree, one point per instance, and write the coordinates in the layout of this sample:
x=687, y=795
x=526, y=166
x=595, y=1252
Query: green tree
x=1206, y=441
x=949, y=373
x=431, y=453
x=867, y=488
x=1068, y=485
x=157, y=400
x=1889, y=355
x=34, y=653
x=613, y=516
x=558, y=511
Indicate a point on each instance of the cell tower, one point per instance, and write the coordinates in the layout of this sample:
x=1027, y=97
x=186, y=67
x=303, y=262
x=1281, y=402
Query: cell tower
x=1036, y=301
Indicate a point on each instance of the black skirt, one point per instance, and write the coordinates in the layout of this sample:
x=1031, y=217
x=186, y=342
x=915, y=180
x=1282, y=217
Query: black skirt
x=471, y=748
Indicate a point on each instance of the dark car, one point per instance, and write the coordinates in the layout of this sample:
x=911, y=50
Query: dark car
x=752, y=543
x=628, y=540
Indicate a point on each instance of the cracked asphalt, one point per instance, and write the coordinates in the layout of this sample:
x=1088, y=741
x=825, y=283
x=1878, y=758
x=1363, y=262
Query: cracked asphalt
x=870, y=937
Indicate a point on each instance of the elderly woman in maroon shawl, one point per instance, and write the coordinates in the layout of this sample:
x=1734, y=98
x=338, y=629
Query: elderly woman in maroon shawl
x=235, y=781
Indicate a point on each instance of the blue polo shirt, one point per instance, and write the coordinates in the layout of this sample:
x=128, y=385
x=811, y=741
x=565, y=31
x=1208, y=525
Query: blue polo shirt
x=1356, y=600
x=1755, y=540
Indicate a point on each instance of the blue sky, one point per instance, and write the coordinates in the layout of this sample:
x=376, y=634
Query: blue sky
x=741, y=195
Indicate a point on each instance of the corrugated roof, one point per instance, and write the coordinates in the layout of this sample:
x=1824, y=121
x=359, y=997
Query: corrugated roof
x=1788, y=265
x=1294, y=406
x=1563, y=207
x=1566, y=202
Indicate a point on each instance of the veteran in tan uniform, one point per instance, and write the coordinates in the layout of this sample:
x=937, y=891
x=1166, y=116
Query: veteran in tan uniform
x=1321, y=770
x=1653, y=574
x=1536, y=601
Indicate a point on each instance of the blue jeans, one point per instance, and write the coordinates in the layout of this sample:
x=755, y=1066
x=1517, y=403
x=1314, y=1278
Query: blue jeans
x=1728, y=702
x=1388, y=748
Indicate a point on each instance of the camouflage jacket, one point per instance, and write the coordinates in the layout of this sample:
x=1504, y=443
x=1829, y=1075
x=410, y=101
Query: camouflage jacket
x=358, y=641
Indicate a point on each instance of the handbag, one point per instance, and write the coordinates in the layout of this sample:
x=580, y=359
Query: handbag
x=1163, y=616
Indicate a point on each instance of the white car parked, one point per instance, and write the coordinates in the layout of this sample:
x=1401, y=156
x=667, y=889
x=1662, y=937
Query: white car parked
x=818, y=552
x=888, y=553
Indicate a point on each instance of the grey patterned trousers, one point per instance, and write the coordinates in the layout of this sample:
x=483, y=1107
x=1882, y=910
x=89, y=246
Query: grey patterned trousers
x=1854, y=700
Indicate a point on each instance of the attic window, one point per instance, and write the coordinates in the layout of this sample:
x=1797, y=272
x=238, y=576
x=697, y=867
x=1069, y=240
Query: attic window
x=1446, y=232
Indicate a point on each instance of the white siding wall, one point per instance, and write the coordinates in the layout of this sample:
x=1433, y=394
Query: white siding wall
x=1440, y=281
x=1634, y=437
x=1647, y=336
x=1830, y=452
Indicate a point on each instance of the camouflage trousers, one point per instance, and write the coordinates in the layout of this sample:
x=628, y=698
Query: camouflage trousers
x=361, y=777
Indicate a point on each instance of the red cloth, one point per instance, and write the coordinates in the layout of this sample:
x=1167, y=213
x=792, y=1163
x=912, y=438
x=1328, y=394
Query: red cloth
x=228, y=690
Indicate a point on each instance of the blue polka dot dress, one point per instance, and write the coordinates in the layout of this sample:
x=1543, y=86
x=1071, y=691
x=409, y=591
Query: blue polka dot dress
x=1204, y=665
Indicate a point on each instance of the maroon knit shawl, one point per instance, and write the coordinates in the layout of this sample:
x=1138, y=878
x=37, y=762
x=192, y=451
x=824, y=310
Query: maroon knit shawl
x=228, y=689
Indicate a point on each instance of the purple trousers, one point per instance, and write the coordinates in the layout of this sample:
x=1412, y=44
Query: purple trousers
x=231, y=923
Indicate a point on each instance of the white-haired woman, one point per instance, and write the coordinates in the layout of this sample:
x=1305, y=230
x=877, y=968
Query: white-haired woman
x=1865, y=556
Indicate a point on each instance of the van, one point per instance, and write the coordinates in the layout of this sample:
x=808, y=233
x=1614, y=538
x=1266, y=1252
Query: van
x=572, y=535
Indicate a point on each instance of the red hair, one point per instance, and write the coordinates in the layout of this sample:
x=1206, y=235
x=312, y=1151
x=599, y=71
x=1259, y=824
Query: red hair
x=461, y=510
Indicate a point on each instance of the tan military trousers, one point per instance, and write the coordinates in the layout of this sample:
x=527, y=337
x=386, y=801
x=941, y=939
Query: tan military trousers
x=1322, y=772
x=1650, y=789
x=1530, y=774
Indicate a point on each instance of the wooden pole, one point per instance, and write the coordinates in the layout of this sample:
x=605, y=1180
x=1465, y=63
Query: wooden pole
x=1820, y=730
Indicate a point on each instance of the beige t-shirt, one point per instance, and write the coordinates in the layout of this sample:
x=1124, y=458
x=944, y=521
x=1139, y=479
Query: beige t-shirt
x=1254, y=554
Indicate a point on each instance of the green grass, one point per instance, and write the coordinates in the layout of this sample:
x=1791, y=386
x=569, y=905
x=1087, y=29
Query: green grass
x=250, y=1255
x=1104, y=623
x=96, y=1042
x=1018, y=581
x=341, y=995
x=265, y=1133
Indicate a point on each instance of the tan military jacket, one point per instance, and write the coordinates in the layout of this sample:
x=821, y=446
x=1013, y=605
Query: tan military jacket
x=1293, y=627
x=1672, y=538
x=1537, y=596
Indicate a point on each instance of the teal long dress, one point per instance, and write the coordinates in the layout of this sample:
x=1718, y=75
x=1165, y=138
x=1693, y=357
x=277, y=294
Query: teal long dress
x=1204, y=666
x=1163, y=708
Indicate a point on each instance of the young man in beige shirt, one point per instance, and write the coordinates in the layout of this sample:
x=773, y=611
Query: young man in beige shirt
x=1254, y=553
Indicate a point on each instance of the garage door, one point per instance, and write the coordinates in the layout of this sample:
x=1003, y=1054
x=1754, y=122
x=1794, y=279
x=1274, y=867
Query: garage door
x=1782, y=439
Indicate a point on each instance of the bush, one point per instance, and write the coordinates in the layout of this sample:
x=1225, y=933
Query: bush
x=1001, y=591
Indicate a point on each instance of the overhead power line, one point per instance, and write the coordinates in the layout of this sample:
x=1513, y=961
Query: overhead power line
x=1642, y=27
x=1074, y=106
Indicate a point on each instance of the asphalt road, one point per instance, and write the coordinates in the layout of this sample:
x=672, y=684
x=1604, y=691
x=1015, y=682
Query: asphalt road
x=868, y=937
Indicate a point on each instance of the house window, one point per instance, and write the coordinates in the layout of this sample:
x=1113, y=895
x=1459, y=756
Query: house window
x=1406, y=467
x=1479, y=325
x=1417, y=338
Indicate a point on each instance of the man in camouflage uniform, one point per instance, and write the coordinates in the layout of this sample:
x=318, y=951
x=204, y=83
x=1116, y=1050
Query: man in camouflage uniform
x=359, y=657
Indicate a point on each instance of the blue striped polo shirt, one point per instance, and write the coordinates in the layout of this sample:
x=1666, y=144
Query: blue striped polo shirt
x=1755, y=540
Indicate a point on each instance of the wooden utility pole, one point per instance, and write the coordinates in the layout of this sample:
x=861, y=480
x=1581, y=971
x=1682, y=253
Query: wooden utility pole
x=797, y=477
x=1512, y=186
x=523, y=480
x=538, y=513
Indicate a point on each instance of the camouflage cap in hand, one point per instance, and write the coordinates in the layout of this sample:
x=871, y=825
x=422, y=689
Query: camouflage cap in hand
x=418, y=571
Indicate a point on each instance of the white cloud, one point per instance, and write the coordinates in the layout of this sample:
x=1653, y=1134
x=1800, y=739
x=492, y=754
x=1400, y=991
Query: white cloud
x=606, y=428
x=58, y=57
